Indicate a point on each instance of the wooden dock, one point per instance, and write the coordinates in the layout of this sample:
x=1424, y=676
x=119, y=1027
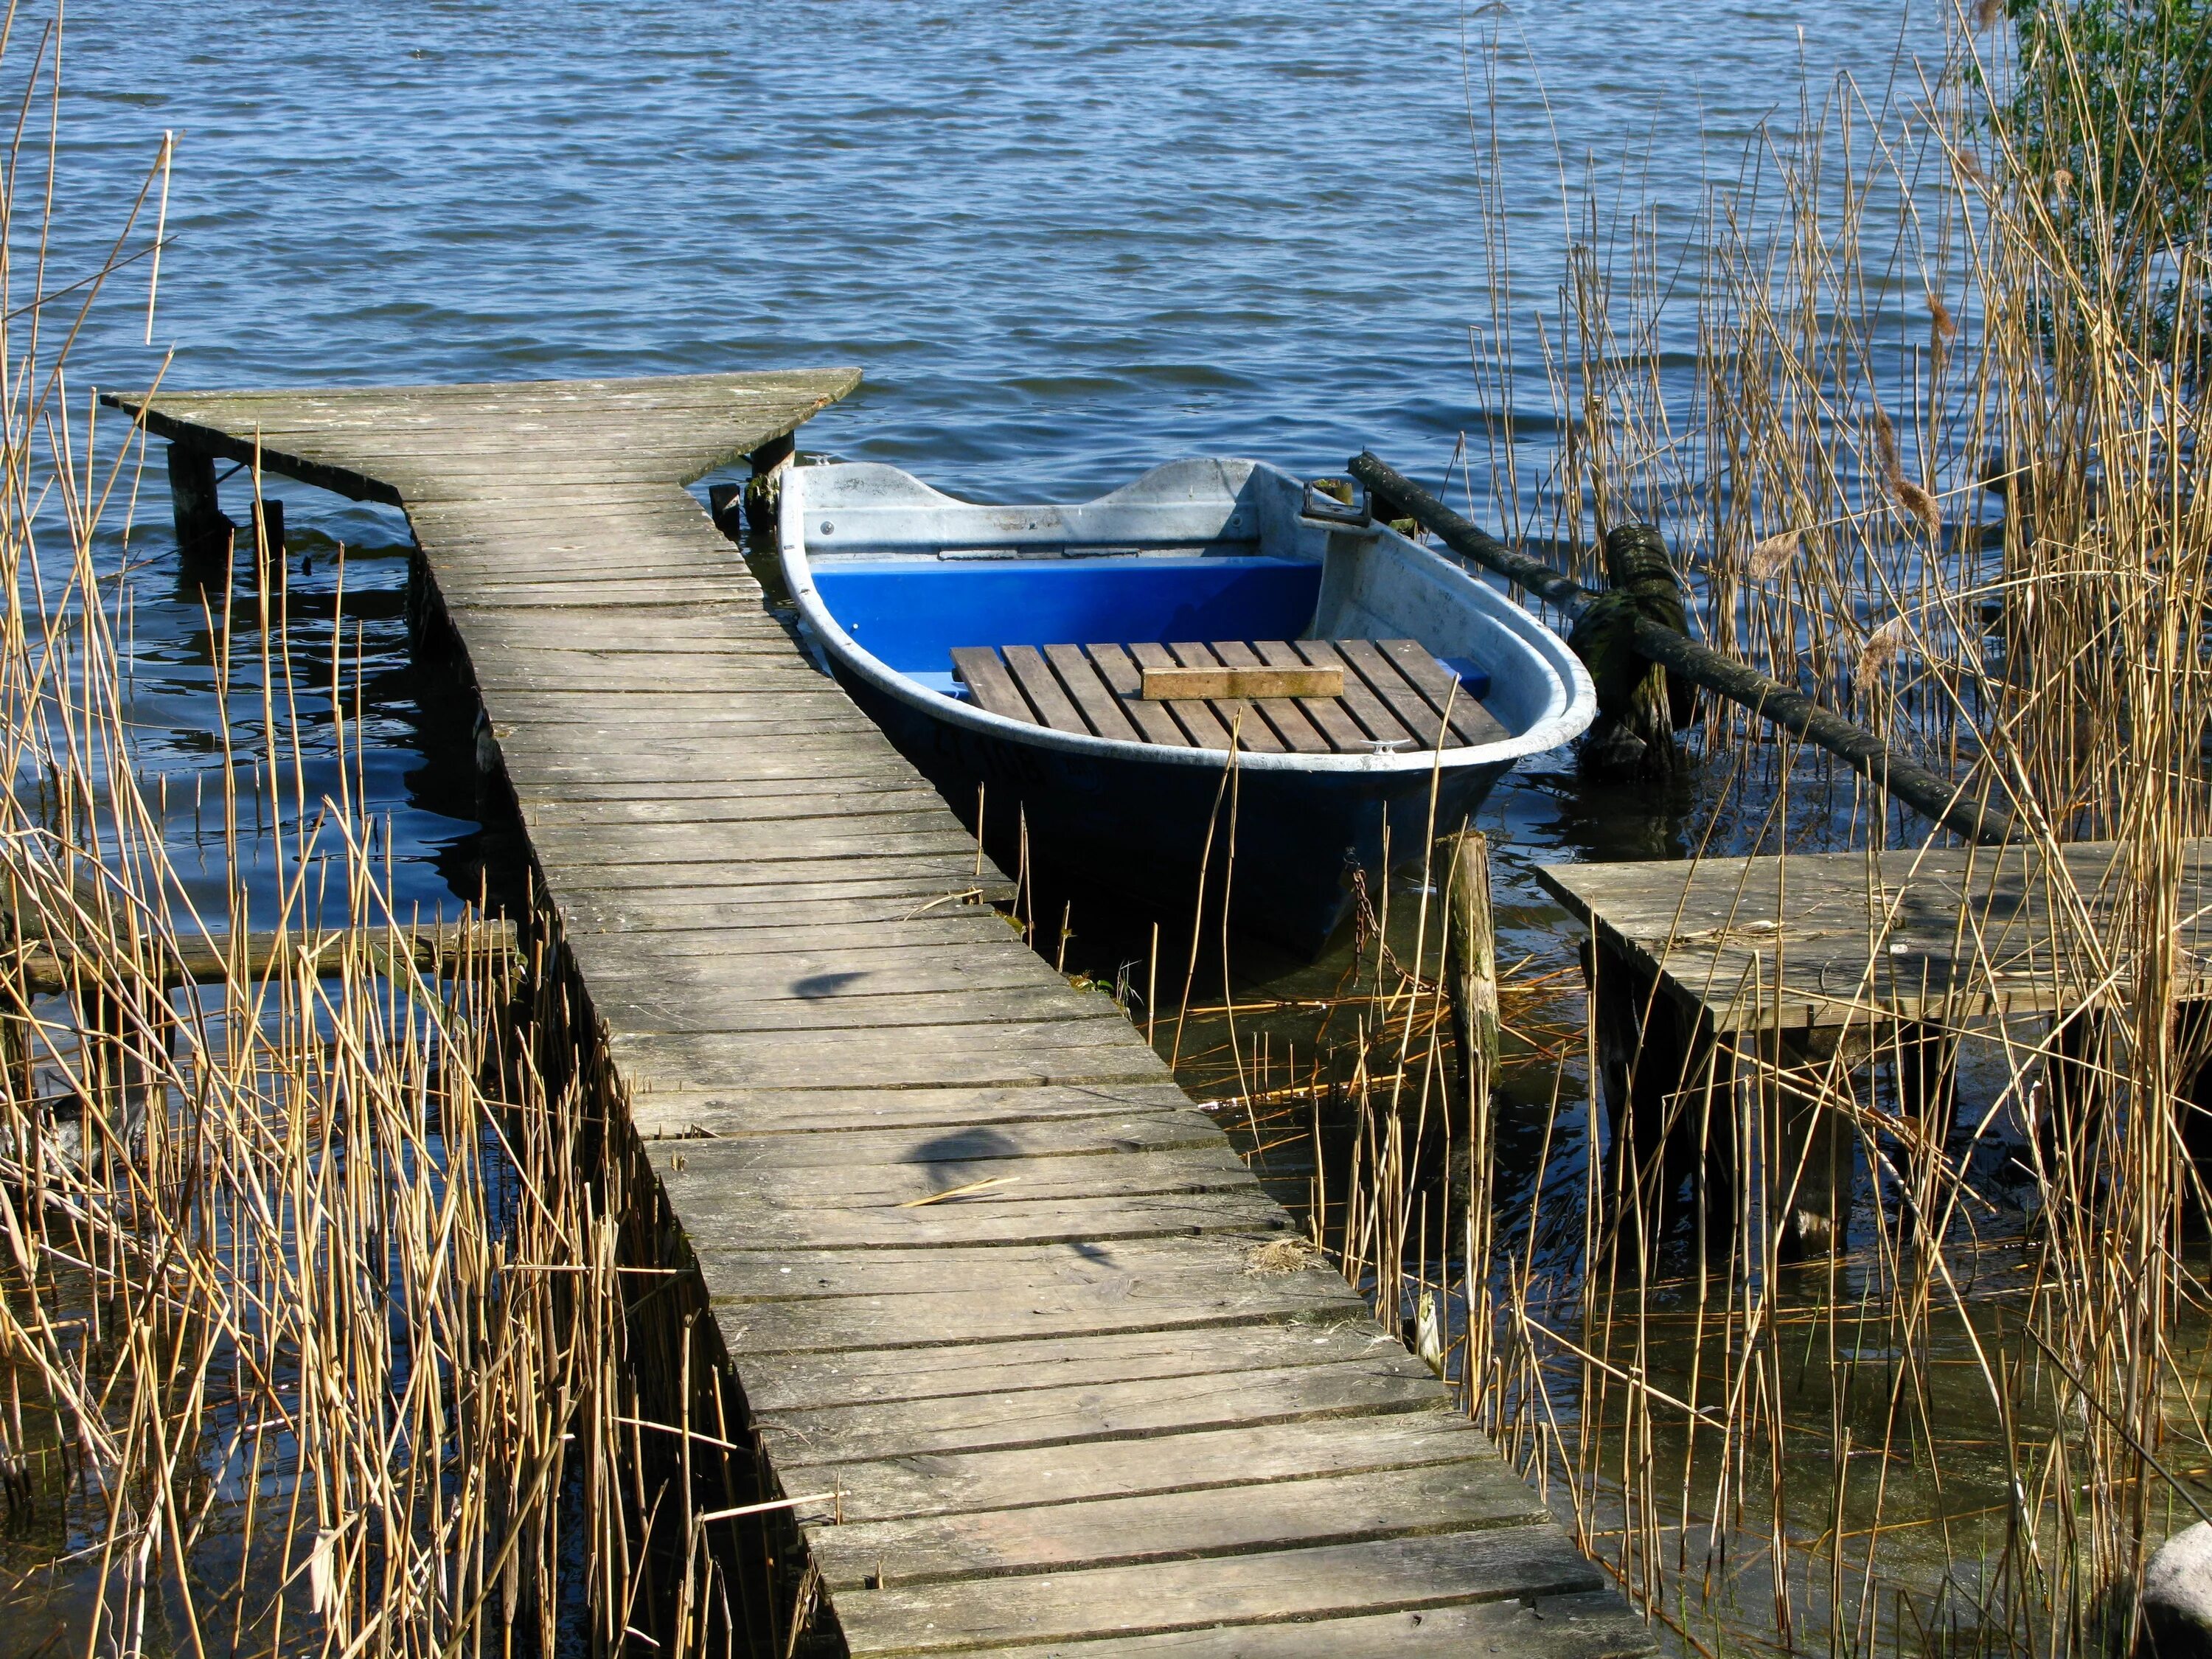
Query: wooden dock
x=1792, y=974
x=1823, y=942
x=1074, y=1409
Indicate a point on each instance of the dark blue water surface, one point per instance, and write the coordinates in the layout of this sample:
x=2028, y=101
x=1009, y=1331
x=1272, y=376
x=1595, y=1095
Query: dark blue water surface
x=1065, y=242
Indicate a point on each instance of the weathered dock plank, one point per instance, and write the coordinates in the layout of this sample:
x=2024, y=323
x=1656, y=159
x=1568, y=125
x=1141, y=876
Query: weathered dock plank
x=1071, y=1401
x=1814, y=941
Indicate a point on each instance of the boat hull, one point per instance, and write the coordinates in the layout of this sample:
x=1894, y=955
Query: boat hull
x=1139, y=828
x=897, y=585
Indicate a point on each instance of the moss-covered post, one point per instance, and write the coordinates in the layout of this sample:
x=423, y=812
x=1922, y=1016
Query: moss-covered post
x=764, y=490
x=1640, y=705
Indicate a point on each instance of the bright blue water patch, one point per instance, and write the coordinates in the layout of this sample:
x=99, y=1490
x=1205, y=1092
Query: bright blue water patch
x=912, y=613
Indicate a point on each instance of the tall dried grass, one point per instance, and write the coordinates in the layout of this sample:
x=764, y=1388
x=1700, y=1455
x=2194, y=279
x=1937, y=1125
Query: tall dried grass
x=336, y=1310
x=1924, y=468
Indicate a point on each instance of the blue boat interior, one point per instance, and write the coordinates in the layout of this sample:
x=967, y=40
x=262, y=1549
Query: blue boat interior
x=912, y=613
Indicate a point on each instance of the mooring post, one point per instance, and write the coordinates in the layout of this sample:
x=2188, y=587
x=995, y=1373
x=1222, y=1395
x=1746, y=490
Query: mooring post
x=764, y=491
x=203, y=530
x=1471, y=962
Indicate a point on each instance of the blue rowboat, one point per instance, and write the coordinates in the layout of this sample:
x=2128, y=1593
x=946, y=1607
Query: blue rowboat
x=1368, y=687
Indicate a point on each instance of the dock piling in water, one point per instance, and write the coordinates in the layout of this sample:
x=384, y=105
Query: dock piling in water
x=204, y=534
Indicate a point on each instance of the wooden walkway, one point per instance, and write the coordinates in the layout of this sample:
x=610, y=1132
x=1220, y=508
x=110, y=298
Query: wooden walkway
x=1072, y=1411
x=1793, y=975
x=1824, y=941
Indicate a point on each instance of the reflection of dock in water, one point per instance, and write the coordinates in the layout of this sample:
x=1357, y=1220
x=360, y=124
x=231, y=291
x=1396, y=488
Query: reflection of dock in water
x=1077, y=1402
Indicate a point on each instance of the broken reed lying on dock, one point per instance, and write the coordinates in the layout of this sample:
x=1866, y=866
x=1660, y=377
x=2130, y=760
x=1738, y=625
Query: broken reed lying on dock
x=1877, y=761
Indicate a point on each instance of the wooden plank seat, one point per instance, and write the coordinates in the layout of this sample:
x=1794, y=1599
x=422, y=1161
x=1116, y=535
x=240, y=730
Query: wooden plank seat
x=1395, y=696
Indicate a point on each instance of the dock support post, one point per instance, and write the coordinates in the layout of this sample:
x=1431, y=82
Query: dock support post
x=203, y=530
x=1810, y=1160
x=764, y=492
x=1660, y=1075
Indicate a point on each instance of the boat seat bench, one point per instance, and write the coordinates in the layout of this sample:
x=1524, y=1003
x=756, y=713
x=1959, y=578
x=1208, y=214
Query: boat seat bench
x=1395, y=696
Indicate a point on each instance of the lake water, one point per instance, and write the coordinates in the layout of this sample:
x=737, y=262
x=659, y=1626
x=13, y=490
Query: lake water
x=1063, y=242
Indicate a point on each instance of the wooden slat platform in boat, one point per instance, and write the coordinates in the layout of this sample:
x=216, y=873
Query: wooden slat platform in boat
x=1395, y=696
x=1073, y=1404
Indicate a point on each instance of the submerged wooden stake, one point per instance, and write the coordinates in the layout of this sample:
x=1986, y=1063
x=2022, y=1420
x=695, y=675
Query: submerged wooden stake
x=1471, y=961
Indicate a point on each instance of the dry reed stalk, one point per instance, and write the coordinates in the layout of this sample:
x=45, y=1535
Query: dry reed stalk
x=1951, y=1433
x=316, y=1298
x=2091, y=723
